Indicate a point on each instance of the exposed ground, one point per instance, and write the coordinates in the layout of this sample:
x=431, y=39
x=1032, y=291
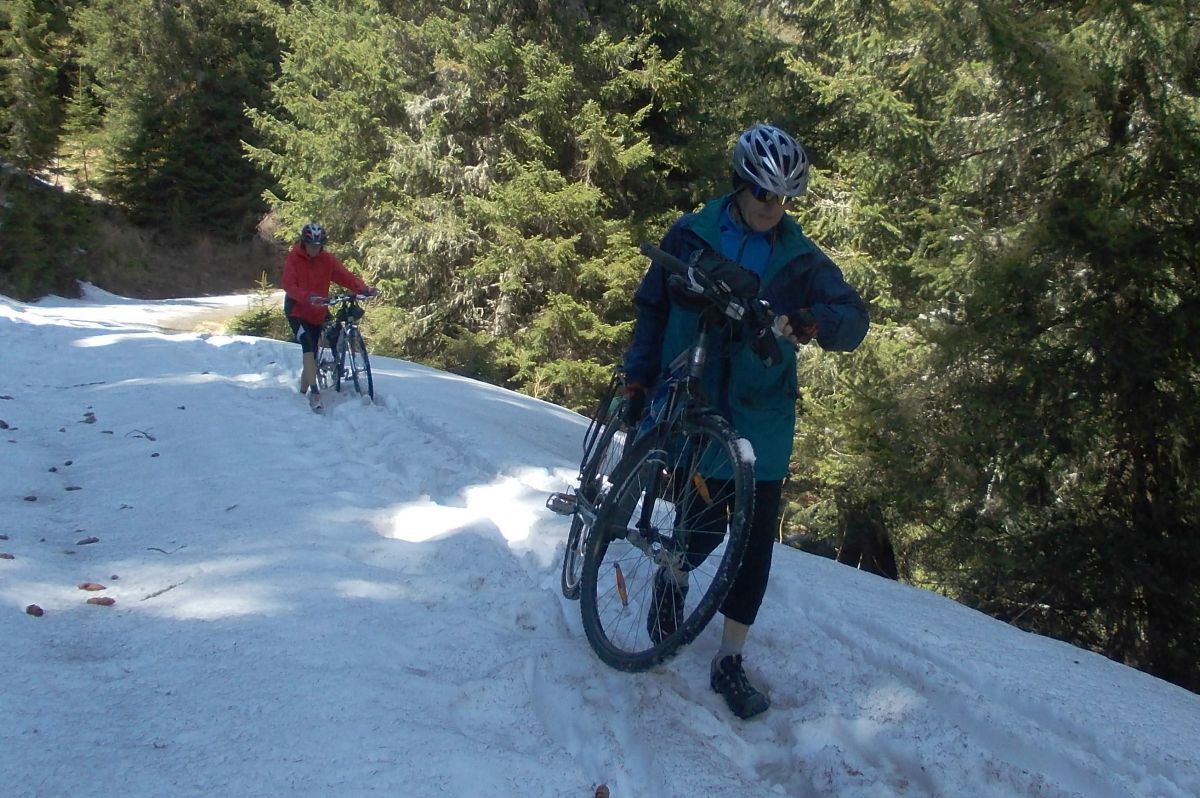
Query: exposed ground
x=52, y=236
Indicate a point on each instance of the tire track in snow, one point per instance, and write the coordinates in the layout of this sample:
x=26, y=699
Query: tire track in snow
x=958, y=710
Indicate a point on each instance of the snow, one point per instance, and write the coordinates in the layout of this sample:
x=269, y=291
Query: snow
x=367, y=602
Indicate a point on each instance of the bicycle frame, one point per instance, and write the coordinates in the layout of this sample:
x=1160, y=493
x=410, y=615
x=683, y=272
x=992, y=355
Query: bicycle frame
x=683, y=395
x=684, y=385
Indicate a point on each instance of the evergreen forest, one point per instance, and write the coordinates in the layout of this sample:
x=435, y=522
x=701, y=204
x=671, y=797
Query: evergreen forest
x=1012, y=185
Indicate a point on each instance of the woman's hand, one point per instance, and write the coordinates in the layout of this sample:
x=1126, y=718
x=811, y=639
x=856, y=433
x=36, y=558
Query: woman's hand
x=799, y=329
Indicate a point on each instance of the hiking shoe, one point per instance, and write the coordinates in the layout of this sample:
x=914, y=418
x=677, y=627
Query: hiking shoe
x=314, y=400
x=666, y=606
x=728, y=679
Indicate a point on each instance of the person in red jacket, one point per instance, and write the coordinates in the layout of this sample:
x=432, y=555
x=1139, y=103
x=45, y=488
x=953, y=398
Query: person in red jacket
x=307, y=273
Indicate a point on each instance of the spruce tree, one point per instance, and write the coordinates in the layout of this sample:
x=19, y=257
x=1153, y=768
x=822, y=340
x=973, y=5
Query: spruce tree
x=1035, y=162
x=173, y=81
x=32, y=57
x=496, y=165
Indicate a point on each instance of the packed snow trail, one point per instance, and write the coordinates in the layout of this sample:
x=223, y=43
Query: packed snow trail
x=367, y=602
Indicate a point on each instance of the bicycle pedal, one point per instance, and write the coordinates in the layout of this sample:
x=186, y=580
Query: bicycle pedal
x=562, y=503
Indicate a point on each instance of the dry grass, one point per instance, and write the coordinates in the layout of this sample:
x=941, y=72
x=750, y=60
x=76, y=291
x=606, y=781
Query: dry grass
x=55, y=236
x=136, y=263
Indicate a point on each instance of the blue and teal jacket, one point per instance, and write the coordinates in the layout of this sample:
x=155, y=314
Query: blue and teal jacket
x=794, y=274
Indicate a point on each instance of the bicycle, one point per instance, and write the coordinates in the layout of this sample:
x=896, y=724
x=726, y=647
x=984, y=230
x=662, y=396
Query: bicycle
x=680, y=500
x=341, y=352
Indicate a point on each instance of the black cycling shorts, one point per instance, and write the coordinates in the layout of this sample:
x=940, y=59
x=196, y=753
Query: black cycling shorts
x=304, y=333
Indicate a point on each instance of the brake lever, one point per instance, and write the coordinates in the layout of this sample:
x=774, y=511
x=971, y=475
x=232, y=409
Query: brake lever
x=735, y=310
x=765, y=342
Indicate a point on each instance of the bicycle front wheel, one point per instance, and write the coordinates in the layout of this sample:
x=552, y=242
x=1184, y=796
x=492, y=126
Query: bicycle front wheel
x=667, y=541
x=353, y=363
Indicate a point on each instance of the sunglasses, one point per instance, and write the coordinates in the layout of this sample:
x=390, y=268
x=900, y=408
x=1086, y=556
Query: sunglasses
x=762, y=195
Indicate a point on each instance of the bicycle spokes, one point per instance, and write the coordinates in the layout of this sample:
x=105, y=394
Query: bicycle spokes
x=672, y=507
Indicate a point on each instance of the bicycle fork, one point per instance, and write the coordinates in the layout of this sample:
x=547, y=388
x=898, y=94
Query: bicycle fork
x=644, y=535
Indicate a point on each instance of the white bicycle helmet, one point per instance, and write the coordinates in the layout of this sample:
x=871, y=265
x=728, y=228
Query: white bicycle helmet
x=772, y=160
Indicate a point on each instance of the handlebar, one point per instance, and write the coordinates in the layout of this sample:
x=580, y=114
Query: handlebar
x=342, y=299
x=700, y=284
x=664, y=258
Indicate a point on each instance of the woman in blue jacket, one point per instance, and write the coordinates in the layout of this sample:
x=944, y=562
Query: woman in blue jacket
x=812, y=301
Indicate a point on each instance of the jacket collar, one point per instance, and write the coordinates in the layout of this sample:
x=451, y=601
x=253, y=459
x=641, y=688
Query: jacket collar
x=790, y=241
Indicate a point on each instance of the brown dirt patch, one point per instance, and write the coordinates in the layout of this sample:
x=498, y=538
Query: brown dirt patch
x=133, y=264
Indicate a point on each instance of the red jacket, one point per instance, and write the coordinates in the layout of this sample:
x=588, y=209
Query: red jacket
x=304, y=276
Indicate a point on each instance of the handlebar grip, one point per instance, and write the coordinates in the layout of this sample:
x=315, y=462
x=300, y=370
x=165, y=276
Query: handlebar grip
x=668, y=261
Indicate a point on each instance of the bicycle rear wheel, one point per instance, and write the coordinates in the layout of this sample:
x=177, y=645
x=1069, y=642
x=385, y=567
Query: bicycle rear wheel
x=681, y=502
x=325, y=363
x=353, y=363
x=603, y=453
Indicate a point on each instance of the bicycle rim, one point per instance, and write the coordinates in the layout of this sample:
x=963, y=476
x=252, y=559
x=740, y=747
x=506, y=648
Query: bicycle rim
x=322, y=373
x=573, y=558
x=609, y=408
x=360, y=365
x=661, y=512
x=602, y=457
x=339, y=366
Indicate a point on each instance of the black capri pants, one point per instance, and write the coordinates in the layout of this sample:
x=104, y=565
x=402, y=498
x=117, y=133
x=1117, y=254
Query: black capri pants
x=750, y=583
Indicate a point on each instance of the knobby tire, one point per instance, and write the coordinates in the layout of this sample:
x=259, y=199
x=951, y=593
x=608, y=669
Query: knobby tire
x=353, y=362
x=616, y=590
x=320, y=355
